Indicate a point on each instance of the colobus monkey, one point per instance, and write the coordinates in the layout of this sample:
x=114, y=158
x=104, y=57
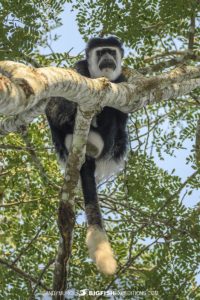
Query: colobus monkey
x=106, y=146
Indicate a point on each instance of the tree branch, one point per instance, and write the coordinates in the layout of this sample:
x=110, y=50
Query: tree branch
x=22, y=87
x=175, y=61
x=17, y=122
x=36, y=161
x=197, y=145
x=51, y=261
x=191, y=33
x=23, y=274
x=130, y=260
x=24, y=249
x=66, y=213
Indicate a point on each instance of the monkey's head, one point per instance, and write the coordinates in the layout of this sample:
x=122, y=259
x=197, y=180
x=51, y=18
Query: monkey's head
x=104, y=57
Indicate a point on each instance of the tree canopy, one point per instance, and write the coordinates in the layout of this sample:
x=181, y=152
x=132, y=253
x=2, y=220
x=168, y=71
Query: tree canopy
x=151, y=210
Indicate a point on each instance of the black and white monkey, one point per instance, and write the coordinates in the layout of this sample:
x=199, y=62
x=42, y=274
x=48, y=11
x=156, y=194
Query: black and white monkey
x=107, y=137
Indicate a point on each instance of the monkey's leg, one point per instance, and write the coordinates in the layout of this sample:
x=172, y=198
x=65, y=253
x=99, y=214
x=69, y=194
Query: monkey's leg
x=97, y=242
x=93, y=213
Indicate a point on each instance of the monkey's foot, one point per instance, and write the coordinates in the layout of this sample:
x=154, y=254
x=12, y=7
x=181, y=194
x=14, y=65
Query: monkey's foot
x=100, y=250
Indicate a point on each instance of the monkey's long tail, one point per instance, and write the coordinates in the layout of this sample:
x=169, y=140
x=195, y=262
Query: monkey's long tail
x=99, y=247
x=97, y=241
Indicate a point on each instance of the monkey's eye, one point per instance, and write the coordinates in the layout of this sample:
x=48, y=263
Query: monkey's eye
x=99, y=53
x=113, y=53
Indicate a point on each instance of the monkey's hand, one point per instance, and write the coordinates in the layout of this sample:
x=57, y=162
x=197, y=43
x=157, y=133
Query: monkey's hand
x=91, y=150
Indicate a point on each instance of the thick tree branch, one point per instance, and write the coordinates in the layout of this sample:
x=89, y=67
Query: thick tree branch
x=23, y=90
x=17, y=122
x=22, y=87
x=66, y=214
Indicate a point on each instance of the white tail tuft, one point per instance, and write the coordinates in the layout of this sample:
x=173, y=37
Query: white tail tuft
x=100, y=250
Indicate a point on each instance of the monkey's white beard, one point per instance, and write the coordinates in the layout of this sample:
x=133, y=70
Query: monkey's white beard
x=109, y=73
x=100, y=250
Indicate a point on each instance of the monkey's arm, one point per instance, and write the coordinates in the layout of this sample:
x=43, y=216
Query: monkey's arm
x=61, y=116
x=59, y=111
x=82, y=68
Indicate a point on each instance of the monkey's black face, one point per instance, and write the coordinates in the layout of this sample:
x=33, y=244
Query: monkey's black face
x=106, y=58
x=105, y=61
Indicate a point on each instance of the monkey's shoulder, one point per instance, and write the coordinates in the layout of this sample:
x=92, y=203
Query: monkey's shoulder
x=82, y=68
x=60, y=110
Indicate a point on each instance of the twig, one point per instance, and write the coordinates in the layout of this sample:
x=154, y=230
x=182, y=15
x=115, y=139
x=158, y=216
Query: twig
x=17, y=203
x=168, y=63
x=124, y=267
x=51, y=261
x=172, y=197
x=188, y=278
x=197, y=144
x=191, y=33
x=29, y=244
x=23, y=274
x=13, y=147
x=148, y=131
x=36, y=161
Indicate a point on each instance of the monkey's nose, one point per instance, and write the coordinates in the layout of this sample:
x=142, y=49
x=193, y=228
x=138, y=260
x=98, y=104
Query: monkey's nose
x=107, y=63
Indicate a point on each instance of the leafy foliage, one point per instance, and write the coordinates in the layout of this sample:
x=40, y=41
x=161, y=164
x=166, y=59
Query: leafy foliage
x=153, y=230
x=25, y=25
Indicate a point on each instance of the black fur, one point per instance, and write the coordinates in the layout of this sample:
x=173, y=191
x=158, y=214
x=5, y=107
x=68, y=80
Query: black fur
x=110, y=125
